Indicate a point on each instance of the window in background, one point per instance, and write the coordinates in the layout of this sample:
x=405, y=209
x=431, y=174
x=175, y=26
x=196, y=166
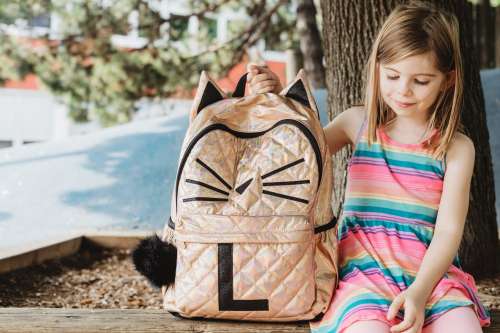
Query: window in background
x=5, y=143
x=40, y=21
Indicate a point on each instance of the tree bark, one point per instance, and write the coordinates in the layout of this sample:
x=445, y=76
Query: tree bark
x=497, y=36
x=310, y=43
x=486, y=34
x=477, y=28
x=348, y=33
x=478, y=251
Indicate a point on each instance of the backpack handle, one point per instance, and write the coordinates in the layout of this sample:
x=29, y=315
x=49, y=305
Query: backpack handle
x=239, y=91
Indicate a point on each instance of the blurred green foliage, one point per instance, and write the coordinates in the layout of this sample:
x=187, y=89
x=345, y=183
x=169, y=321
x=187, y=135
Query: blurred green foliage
x=98, y=80
x=493, y=3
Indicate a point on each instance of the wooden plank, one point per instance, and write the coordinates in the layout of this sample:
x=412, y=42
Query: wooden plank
x=38, y=244
x=118, y=239
x=44, y=320
x=51, y=249
x=65, y=245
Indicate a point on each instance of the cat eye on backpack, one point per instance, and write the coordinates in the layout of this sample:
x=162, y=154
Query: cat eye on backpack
x=251, y=234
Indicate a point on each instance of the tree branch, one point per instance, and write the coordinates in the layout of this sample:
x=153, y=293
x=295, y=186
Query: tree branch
x=257, y=26
x=200, y=14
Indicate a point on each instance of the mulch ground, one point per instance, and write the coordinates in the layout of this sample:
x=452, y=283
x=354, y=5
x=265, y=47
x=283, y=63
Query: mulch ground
x=100, y=278
x=92, y=278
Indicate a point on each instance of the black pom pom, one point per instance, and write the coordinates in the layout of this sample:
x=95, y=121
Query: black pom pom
x=156, y=260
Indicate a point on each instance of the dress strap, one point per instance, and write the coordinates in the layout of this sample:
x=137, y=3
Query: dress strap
x=360, y=131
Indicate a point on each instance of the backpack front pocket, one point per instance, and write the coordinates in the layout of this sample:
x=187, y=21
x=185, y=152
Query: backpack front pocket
x=243, y=267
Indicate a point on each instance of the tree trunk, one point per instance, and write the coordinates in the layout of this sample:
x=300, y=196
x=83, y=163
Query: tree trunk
x=348, y=33
x=310, y=43
x=497, y=36
x=477, y=29
x=483, y=32
x=486, y=34
x=480, y=242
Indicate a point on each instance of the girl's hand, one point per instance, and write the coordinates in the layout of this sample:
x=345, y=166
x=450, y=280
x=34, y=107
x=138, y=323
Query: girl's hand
x=413, y=302
x=262, y=80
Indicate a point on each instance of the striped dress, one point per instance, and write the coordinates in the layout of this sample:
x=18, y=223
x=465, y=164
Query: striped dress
x=392, y=198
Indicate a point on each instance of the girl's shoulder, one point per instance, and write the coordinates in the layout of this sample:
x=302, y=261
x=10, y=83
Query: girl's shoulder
x=459, y=164
x=461, y=148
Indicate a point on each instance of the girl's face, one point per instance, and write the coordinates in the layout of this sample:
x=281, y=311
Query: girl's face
x=410, y=86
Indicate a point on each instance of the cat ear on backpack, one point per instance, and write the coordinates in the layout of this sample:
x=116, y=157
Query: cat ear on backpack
x=207, y=93
x=300, y=91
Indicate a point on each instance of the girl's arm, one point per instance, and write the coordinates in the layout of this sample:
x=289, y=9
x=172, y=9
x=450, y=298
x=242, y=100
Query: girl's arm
x=343, y=129
x=447, y=236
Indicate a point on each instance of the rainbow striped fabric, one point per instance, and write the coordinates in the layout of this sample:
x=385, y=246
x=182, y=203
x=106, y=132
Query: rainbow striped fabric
x=391, y=203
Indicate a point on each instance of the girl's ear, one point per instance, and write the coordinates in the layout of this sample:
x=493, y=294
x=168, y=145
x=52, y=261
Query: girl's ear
x=207, y=93
x=299, y=90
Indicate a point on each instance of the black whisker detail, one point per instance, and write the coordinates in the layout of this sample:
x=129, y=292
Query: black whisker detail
x=203, y=199
x=285, y=196
x=191, y=181
x=293, y=182
x=289, y=165
x=213, y=173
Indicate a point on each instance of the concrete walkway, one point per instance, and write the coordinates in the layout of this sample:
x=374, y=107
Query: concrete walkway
x=118, y=178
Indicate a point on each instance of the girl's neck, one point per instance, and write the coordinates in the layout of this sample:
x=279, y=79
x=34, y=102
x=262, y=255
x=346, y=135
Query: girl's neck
x=407, y=131
x=410, y=125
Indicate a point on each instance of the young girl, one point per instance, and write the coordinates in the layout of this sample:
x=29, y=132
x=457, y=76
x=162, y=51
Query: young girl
x=408, y=185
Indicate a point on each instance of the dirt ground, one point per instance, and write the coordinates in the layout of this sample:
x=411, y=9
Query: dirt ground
x=92, y=278
x=99, y=278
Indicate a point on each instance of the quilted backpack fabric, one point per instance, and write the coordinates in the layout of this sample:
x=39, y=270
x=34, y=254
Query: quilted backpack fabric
x=251, y=216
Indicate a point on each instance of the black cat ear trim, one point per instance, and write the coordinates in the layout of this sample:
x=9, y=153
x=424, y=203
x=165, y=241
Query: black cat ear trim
x=298, y=92
x=207, y=93
x=210, y=96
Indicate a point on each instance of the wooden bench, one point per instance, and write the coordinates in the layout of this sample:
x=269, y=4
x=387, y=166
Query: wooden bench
x=45, y=320
x=33, y=320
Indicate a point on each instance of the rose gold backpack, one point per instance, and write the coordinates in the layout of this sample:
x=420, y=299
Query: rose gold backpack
x=251, y=218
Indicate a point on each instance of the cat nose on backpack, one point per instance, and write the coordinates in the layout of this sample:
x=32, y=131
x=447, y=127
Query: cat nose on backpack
x=251, y=181
x=248, y=191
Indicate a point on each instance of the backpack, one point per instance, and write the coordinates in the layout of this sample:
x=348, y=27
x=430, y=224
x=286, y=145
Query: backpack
x=251, y=235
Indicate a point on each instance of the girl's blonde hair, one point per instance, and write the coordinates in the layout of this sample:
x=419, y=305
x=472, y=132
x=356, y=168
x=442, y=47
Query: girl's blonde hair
x=414, y=29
